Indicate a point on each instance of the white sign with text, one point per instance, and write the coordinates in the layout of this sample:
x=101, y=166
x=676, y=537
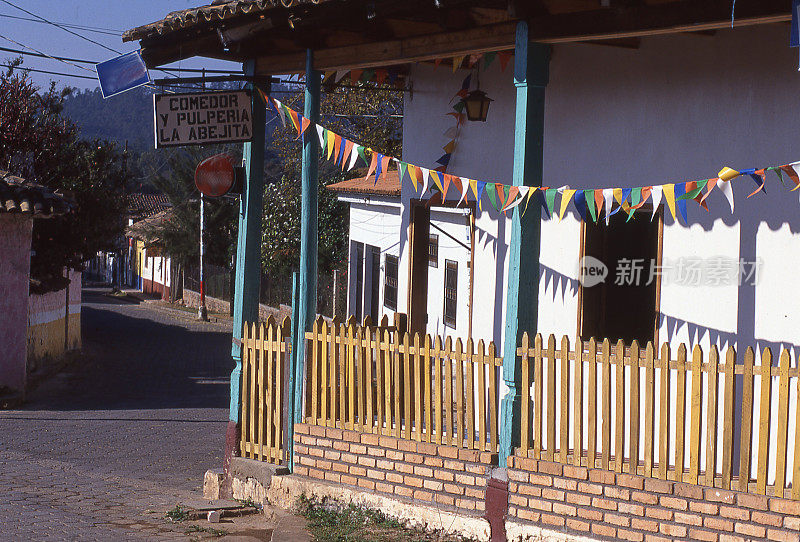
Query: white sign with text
x=203, y=118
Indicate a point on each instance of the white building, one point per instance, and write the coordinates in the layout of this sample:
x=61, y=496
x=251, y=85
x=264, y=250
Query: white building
x=675, y=108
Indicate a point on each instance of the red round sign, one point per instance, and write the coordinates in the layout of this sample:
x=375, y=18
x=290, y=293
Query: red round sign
x=214, y=176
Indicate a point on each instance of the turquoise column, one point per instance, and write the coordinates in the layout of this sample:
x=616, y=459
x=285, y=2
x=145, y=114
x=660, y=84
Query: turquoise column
x=248, y=258
x=531, y=73
x=307, y=297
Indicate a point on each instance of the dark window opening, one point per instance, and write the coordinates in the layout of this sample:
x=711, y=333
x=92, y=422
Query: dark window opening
x=376, y=281
x=358, y=256
x=623, y=305
x=433, y=251
x=450, y=292
x=390, y=284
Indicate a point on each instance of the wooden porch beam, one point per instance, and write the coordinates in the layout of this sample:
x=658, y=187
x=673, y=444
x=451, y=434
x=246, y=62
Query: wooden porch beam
x=604, y=24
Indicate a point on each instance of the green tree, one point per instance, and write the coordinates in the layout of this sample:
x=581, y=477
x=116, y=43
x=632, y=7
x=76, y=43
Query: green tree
x=39, y=144
x=369, y=116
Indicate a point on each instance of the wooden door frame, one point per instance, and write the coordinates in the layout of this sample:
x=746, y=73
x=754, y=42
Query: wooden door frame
x=659, y=262
x=436, y=201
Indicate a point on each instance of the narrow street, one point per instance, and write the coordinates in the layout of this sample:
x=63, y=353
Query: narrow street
x=102, y=450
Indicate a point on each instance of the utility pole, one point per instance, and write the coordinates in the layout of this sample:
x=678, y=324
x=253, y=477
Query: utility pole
x=202, y=313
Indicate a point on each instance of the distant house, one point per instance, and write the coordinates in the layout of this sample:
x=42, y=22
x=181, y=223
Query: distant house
x=33, y=328
x=151, y=266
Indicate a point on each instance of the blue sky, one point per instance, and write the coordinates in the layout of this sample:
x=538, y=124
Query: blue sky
x=110, y=15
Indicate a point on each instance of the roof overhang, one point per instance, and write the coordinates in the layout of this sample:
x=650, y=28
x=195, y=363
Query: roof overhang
x=369, y=33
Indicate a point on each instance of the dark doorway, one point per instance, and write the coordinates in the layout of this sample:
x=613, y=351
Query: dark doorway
x=624, y=305
x=418, y=283
x=375, y=282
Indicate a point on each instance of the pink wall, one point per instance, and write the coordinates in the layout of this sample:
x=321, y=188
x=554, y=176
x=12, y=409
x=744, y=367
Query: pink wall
x=15, y=246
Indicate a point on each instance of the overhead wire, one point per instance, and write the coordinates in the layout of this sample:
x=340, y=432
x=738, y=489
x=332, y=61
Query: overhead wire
x=84, y=61
x=60, y=26
x=47, y=72
x=98, y=30
x=57, y=25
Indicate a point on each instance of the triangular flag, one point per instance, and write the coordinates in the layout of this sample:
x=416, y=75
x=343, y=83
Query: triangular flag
x=488, y=58
x=726, y=174
x=368, y=75
x=353, y=157
x=760, y=177
x=384, y=165
x=792, y=174
x=580, y=204
x=380, y=76
x=337, y=148
x=513, y=200
x=362, y=152
x=540, y=196
x=436, y=62
x=355, y=76
x=451, y=132
x=608, y=196
x=680, y=189
x=446, y=185
x=598, y=200
x=726, y=187
x=444, y=159
x=437, y=180
x=305, y=123
x=645, y=195
x=348, y=153
x=668, y=192
x=294, y=118
x=412, y=174
x=450, y=146
x=492, y=193
x=693, y=189
x=321, y=134
x=550, y=199
x=466, y=82
x=372, y=165
x=481, y=186
x=501, y=193
x=331, y=143
x=566, y=196
x=589, y=197
x=425, y=176
x=531, y=191
x=656, y=193
x=340, y=74
x=379, y=166
x=463, y=187
x=402, y=167
x=505, y=56
x=457, y=62
x=280, y=111
x=328, y=75
x=473, y=184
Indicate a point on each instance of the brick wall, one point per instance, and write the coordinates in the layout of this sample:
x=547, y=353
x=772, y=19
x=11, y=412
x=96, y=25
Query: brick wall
x=610, y=505
x=427, y=473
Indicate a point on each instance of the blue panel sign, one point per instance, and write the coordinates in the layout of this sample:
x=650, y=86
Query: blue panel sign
x=122, y=73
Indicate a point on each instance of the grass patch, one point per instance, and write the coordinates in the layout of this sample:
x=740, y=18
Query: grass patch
x=248, y=502
x=178, y=513
x=332, y=521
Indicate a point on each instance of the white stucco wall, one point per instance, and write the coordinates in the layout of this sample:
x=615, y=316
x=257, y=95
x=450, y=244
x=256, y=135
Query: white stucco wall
x=678, y=108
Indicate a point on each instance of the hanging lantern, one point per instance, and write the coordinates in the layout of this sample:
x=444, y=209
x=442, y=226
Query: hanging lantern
x=477, y=103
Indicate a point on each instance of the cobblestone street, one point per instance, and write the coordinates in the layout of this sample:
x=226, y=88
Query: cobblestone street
x=102, y=450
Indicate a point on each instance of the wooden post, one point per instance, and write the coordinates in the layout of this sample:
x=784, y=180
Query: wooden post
x=306, y=298
x=248, y=260
x=295, y=402
x=531, y=72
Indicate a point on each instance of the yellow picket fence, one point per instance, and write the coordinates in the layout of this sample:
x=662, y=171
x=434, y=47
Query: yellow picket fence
x=263, y=389
x=667, y=413
x=377, y=380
